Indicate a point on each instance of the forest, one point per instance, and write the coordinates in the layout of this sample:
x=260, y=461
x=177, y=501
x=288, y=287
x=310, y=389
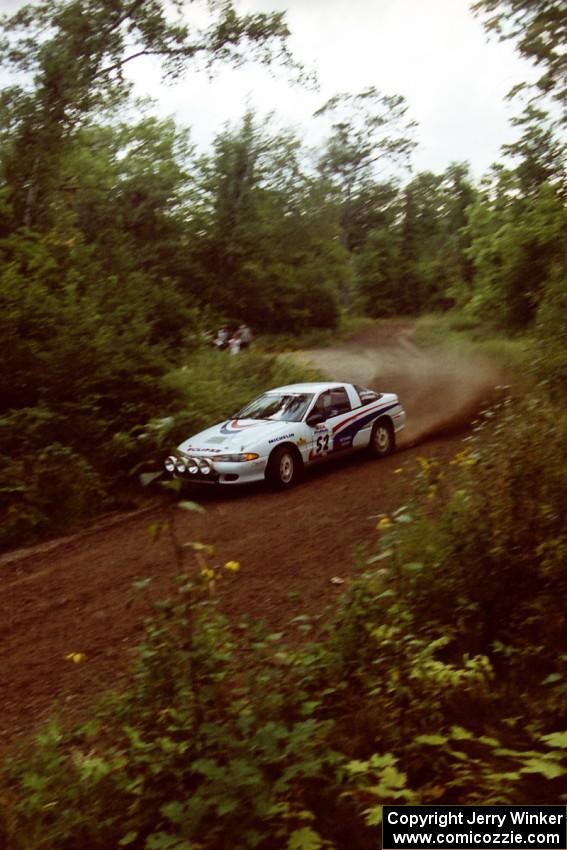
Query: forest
x=121, y=246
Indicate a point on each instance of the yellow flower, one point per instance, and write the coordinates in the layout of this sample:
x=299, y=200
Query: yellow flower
x=232, y=566
x=384, y=523
x=76, y=657
x=207, y=573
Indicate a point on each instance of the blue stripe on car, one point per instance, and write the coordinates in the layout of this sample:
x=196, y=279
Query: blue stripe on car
x=352, y=430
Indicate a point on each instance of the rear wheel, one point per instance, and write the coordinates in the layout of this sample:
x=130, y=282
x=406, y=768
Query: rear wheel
x=382, y=439
x=284, y=468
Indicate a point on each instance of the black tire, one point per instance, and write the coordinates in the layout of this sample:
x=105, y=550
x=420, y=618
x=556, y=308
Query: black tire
x=382, y=438
x=284, y=468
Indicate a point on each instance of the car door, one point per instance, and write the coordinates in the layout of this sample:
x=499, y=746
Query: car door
x=329, y=409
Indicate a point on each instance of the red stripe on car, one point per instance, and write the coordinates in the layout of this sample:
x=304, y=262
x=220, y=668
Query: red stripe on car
x=362, y=411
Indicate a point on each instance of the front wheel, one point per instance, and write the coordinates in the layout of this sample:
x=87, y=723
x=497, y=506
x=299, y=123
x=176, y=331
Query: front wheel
x=284, y=468
x=382, y=439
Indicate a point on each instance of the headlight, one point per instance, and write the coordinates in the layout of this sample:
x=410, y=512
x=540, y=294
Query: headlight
x=241, y=458
x=170, y=463
x=180, y=465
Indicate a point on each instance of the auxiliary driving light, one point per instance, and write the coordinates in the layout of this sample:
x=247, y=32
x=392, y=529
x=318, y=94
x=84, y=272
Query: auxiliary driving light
x=180, y=465
x=193, y=465
x=170, y=464
x=205, y=466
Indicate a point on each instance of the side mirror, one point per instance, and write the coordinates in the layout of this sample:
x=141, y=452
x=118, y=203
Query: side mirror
x=315, y=418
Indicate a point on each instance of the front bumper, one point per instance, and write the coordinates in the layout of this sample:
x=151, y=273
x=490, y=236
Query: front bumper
x=224, y=472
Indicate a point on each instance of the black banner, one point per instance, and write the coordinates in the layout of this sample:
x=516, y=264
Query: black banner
x=479, y=827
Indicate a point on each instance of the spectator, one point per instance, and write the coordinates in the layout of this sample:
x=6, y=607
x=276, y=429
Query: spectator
x=235, y=343
x=245, y=335
x=222, y=339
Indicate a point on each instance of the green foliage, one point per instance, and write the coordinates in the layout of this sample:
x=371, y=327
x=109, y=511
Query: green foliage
x=82, y=441
x=415, y=257
x=377, y=273
x=79, y=364
x=442, y=679
x=539, y=152
x=464, y=334
x=551, y=331
x=265, y=246
x=280, y=343
x=538, y=29
x=52, y=488
x=366, y=131
x=493, y=570
x=516, y=245
x=213, y=385
x=99, y=288
x=205, y=753
x=77, y=53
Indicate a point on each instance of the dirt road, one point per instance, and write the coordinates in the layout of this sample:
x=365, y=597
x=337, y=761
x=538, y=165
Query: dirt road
x=76, y=596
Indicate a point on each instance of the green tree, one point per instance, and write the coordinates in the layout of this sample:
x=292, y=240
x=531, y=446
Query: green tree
x=539, y=153
x=516, y=246
x=76, y=52
x=539, y=30
x=264, y=236
x=434, y=265
x=93, y=241
x=369, y=132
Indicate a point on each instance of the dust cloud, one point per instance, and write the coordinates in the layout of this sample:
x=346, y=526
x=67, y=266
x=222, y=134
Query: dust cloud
x=441, y=394
x=441, y=391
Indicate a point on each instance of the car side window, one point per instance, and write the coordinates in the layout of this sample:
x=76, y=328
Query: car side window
x=323, y=404
x=332, y=403
x=339, y=402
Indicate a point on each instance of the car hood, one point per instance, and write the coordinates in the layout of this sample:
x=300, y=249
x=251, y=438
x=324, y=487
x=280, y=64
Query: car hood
x=236, y=435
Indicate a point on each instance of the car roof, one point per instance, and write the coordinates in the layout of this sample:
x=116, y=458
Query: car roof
x=311, y=387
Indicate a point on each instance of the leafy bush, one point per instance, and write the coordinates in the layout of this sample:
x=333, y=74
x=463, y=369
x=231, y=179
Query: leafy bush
x=50, y=489
x=494, y=566
x=517, y=244
x=551, y=331
x=213, y=385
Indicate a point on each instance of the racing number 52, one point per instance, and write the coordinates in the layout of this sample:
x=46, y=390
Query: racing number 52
x=322, y=443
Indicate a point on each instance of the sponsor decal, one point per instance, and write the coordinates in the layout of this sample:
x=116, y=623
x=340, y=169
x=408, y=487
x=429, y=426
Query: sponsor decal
x=321, y=427
x=353, y=424
x=195, y=449
x=343, y=441
x=235, y=426
x=283, y=437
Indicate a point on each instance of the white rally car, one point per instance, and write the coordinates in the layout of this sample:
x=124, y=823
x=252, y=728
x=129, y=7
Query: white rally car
x=288, y=428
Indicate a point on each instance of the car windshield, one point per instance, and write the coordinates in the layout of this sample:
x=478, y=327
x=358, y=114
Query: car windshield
x=285, y=407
